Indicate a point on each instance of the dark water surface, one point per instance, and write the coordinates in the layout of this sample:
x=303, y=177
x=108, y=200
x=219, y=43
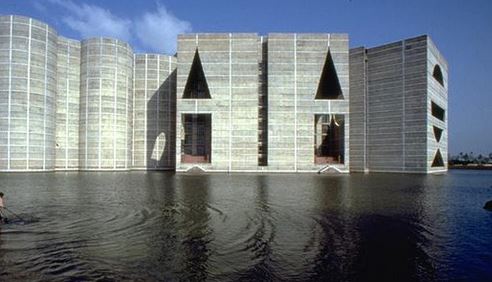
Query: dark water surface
x=163, y=226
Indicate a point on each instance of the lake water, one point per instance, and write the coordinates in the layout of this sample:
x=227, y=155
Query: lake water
x=165, y=226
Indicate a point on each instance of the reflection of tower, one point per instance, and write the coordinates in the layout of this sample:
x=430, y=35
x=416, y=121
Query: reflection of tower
x=265, y=233
x=166, y=247
x=260, y=243
x=195, y=227
x=332, y=238
x=391, y=229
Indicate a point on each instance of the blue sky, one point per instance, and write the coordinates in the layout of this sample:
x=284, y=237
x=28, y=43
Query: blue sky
x=462, y=30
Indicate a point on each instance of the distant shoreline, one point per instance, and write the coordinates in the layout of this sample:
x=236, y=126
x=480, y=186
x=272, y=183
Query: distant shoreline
x=471, y=166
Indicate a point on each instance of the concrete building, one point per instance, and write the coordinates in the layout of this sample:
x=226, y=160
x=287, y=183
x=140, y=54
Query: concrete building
x=154, y=112
x=226, y=102
x=253, y=90
x=28, y=59
x=398, y=107
x=106, y=98
x=308, y=95
x=217, y=102
x=67, y=104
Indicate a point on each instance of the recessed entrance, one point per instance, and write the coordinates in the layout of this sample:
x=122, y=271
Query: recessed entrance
x=196, y=138
x=329, y=138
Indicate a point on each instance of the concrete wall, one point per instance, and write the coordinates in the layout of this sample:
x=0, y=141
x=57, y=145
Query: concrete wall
x=396, y=90
x=154, y=112
x=295, y=63
x=106, y=79
x=67, y=104
x=93, y=105
x=438, y=94
x=27, y=94
x=230, y=64
x=358, y=110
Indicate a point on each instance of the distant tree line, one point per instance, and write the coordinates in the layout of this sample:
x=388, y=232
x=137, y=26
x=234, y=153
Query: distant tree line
x=470, y=158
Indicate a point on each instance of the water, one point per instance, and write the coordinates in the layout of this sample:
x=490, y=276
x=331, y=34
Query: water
x=162, y=226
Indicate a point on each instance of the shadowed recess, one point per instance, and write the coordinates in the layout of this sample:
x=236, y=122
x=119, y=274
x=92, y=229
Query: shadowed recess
x=329, y=139
x=437, y=74
x=437, y=133
x=437, y=111
x=196, y=85
x=329, y=86
x=437, y=162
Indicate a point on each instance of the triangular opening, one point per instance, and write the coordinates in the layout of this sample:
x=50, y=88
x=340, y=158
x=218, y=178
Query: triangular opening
x=437, y=159
x=437, y=74
x=329, y=86
x=196, y=85
x=437, y=133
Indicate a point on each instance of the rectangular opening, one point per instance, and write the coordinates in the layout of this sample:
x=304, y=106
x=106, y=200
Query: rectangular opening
x=196, y=138
x=329, y=136
x=437, y=111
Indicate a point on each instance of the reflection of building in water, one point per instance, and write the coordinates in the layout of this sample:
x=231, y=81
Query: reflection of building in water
x=196, y=234
x=225, y=102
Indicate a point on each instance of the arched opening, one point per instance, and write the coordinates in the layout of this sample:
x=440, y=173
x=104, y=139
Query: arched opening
x=437, y=74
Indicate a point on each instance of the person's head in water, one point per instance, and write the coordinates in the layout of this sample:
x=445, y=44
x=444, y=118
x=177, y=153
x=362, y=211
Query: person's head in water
x=1, y=194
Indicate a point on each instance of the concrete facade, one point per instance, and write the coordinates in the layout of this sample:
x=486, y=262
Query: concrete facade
x=230, y=65
x=226, y=102
x=295, y=65
x=67, y=104
x=154, y=112
x=28, y=58
x=393, y=89
x=106, y=78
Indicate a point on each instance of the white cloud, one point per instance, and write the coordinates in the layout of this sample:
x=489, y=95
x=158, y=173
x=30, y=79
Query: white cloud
x=158, y=30
x=91, y=20
x=152, y=31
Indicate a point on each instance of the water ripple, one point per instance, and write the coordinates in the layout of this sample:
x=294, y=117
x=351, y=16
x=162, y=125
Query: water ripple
x=166, y=227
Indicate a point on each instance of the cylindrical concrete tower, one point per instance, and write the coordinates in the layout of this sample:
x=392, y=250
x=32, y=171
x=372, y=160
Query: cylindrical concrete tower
x=28, y=55
x=67, y=104
x=106, y=78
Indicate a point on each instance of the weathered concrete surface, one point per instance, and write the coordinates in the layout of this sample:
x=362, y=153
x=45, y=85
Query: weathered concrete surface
x=154, y=112
x=106, y=79
x=393, y=86
x=67, y=104
x=230, y=64
x=28, y=56
x=94, y=105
